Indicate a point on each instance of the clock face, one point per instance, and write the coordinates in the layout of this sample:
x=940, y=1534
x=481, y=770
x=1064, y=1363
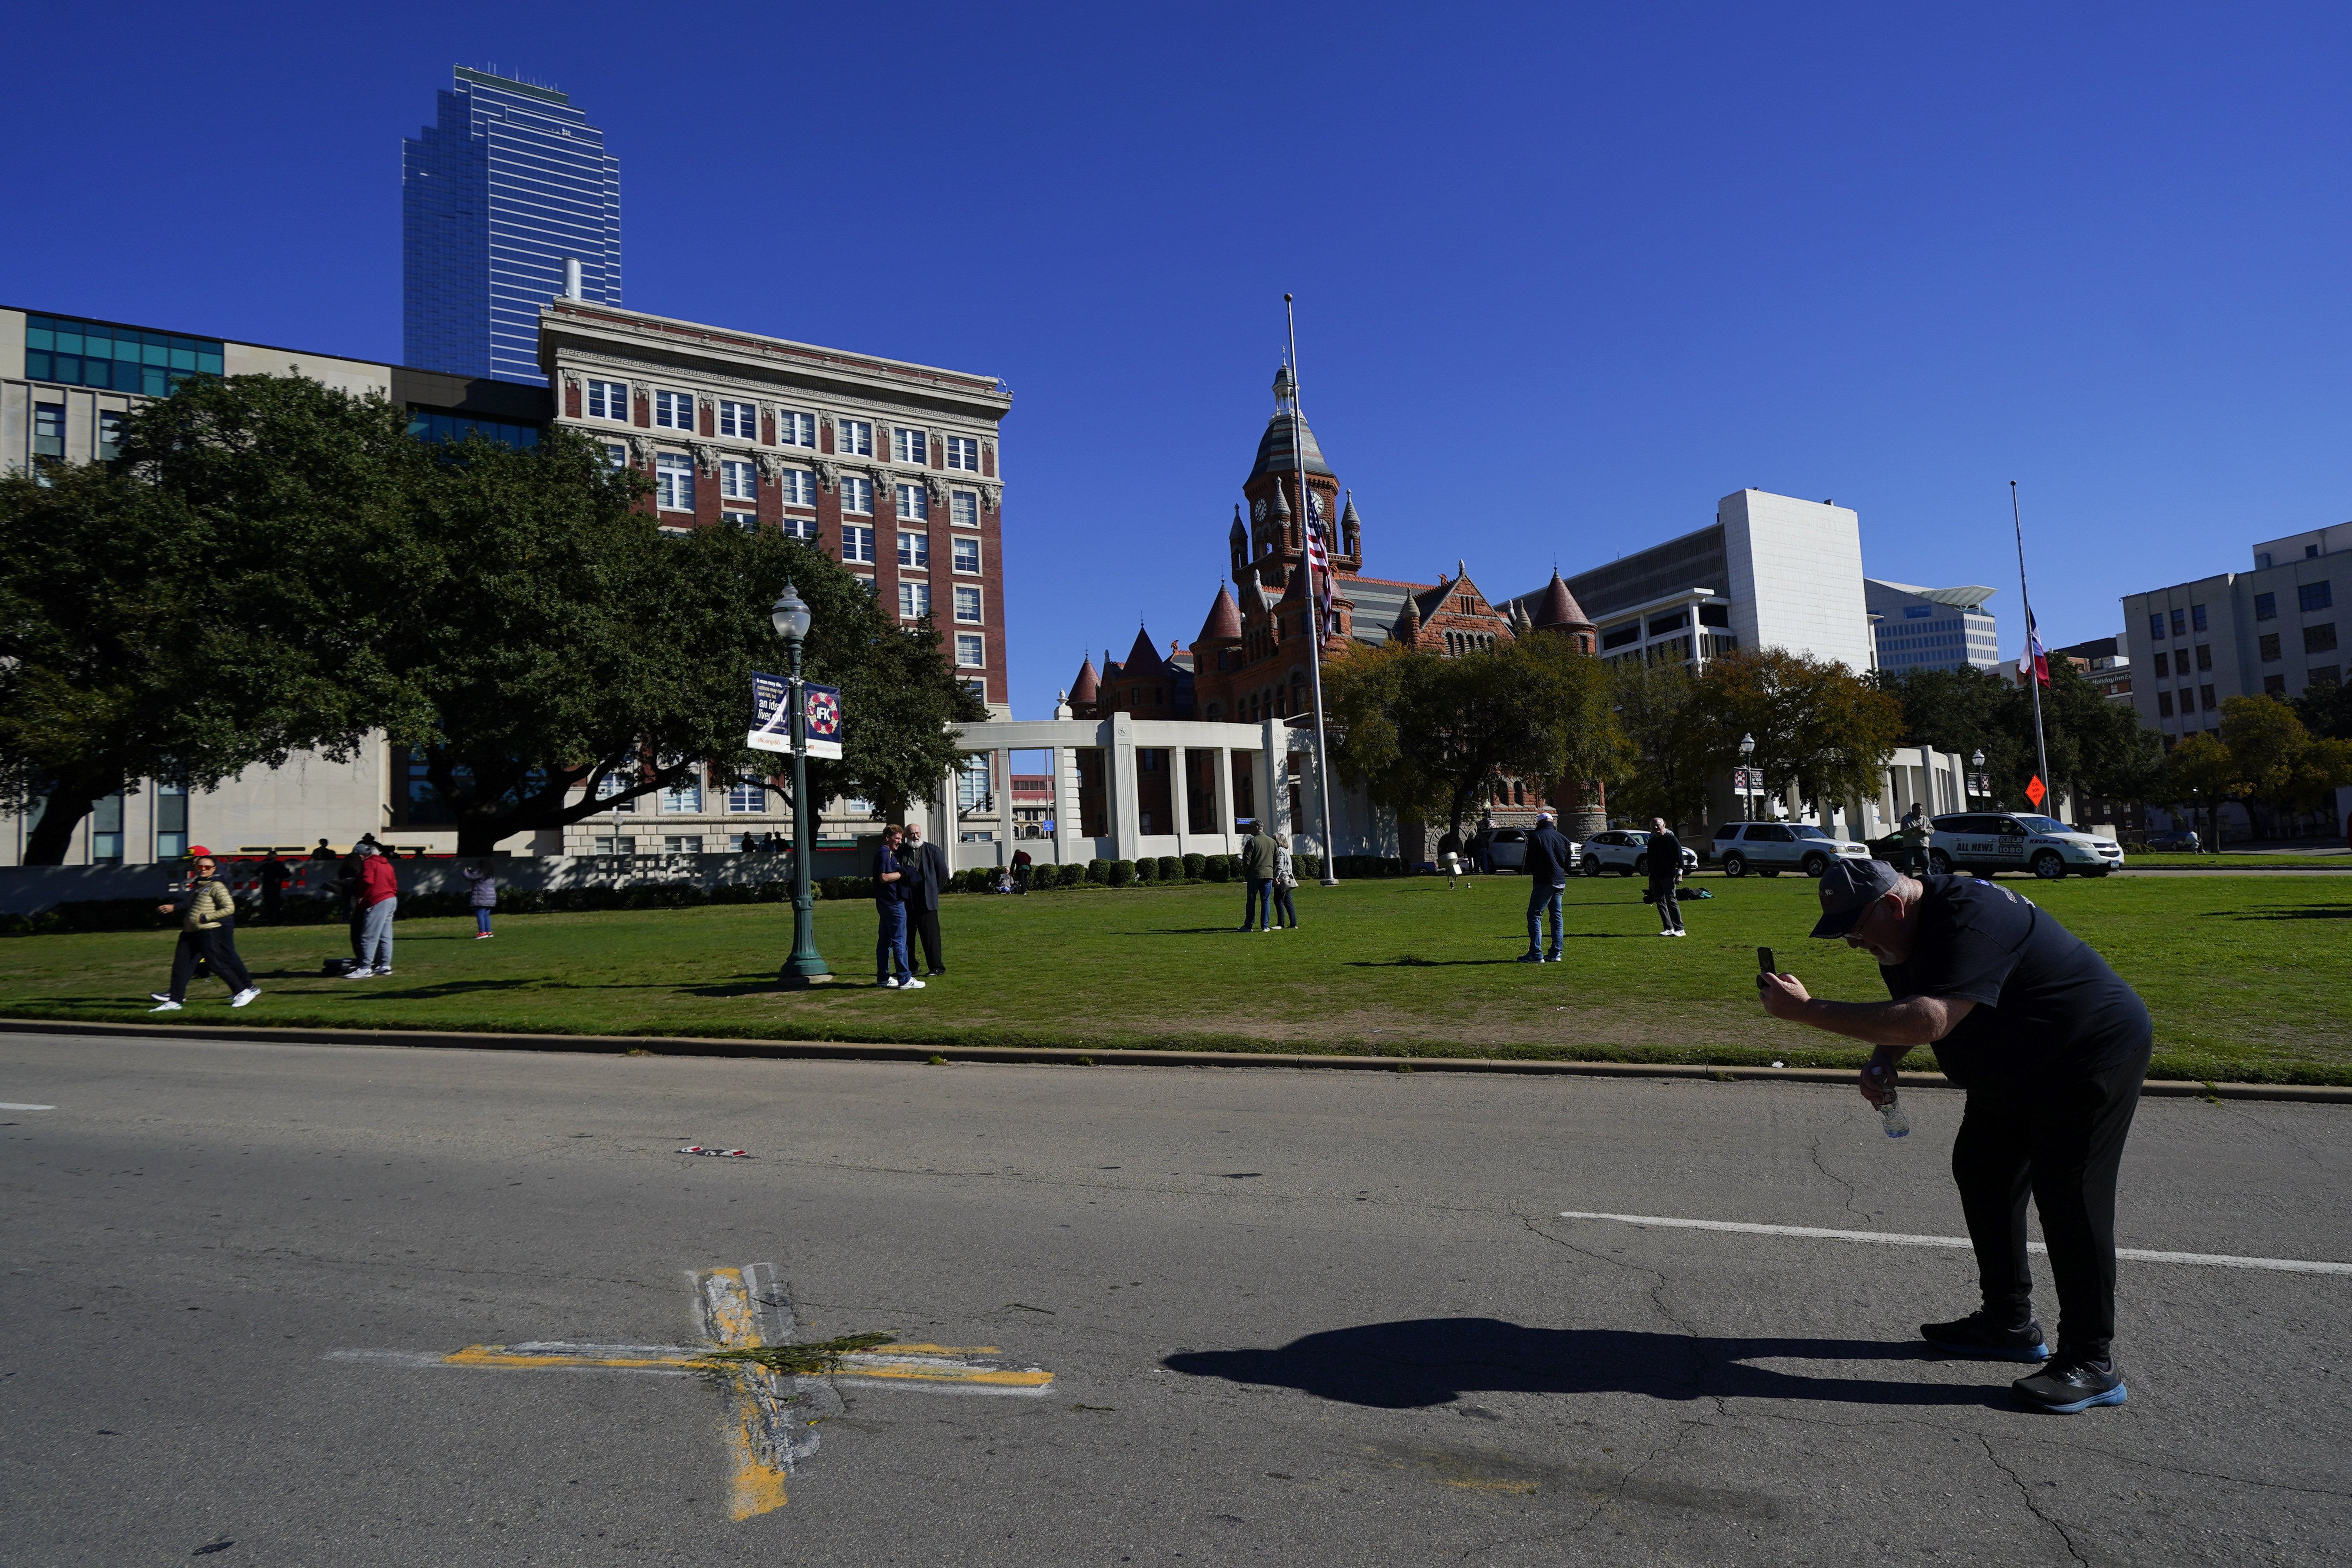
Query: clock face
x=1258, y=511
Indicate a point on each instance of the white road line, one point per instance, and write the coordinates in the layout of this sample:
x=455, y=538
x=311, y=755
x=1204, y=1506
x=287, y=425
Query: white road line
x=1893, y=1238
x=10, y=1105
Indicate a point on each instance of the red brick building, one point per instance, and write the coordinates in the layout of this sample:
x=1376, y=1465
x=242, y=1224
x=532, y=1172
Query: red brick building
x=891, y=469
x=1252, y=660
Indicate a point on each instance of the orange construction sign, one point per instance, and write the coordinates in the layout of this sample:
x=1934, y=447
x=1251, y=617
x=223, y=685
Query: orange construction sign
x=2035, y=790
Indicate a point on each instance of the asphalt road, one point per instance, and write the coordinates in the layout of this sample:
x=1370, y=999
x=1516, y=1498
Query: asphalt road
x=1290, y=1317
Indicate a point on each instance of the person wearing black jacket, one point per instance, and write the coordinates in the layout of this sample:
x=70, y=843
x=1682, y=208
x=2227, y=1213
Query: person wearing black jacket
x=1549, y=855
x=2051, y=1045
x=1665, y=853
x=925, y=866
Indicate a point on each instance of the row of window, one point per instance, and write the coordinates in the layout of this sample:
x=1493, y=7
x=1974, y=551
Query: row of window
x=2204, y=659
x=740, y=422
x=119, y=359
x=739, y=481
x=2319, y=639
x=2187, y=701
x=915, y=600
x=2309, y=596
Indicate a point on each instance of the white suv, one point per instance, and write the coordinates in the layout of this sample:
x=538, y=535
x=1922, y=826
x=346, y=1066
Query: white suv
x=1771, y=848
x=1987, y=842
x=1625, y=853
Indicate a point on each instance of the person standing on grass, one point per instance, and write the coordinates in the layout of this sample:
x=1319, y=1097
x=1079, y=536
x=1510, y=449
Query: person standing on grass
x=379, y=901
x=2051, y=1045
x=1549, y=855
x=1285, y=878
x=272, y=874
x=482, y=896
x=1665, y=853
x=925, y=866
x=207, y=932
x=1258, y=861
x=1482, y=845
x=890, y=913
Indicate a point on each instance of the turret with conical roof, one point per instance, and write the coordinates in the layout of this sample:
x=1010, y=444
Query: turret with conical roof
x=1085, y=691
x=1238, y=541
x=1557, y=612
x=1224, y=622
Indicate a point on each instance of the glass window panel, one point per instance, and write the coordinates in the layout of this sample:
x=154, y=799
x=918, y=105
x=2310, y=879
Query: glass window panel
x=182, y=359
x=152, y=381
x=208, y=360
x=98, y=342
x=68, y=341
x=41, y=337
x=69, y=368
x=39, y=366
x=154, y=351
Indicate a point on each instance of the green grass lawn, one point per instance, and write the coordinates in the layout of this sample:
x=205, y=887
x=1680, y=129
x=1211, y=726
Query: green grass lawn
x=2244, y=975
x=2235, y=859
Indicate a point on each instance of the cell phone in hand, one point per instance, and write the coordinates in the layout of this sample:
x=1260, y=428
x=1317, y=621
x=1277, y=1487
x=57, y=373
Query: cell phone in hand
x=1764, y=965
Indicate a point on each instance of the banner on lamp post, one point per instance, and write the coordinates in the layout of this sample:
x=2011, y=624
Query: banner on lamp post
x=772, y=717
x=823, y=706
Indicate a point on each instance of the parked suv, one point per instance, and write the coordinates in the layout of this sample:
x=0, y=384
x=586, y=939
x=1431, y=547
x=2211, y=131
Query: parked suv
x=1771, y=848
x=1987, y=842
x=1625, y=853
x=1508, y=849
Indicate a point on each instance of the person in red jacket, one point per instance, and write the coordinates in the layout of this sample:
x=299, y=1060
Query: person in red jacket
x=379, y=898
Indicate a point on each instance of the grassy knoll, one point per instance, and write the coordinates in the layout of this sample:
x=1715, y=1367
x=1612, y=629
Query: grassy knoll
x=2244, y=975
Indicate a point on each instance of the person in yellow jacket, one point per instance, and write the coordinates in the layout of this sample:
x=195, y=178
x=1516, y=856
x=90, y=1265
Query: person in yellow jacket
x=208, y=931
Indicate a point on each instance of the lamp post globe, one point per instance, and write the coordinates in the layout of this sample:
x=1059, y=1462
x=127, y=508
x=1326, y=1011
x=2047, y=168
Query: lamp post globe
x=1747, y=750
x=1976, y=765
x=806, y=967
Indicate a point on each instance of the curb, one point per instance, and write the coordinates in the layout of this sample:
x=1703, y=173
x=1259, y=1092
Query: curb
x=837, y=1050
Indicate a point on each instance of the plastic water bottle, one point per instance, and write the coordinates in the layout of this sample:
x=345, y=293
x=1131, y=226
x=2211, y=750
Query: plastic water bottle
x=1898, y=1125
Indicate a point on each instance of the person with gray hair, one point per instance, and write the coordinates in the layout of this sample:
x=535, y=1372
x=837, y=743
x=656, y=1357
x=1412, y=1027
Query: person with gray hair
x=1665, y=853
x=1285, y=877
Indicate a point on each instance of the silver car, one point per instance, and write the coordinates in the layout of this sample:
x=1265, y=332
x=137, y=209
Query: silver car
x=1771, y=848
x=1626, y=852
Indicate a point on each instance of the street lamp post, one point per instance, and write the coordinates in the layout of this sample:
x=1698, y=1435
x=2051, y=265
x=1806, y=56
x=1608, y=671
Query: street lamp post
x=806, y=967
x=1976, y=775
x=1747, y=750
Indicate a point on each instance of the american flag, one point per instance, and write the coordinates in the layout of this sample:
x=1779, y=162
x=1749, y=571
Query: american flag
x=1318, y=569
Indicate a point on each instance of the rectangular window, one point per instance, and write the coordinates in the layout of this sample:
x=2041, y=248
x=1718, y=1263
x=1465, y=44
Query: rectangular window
x=171, y=822
x=914, y=599
x=854, y=438
x=673, y=483
x=967, y=553
x=963, y=509
x=49, y=429
x=740, y=420
x=682, y=844
x=873, y=591
x=2315, y=596
x=2162, y=668
x=914, y=505
x=2164, y=705
x=798, y=485
x=739, y=481
x=2266, y=606
x=972, y=650
x=2270, y=650
x=747, y=521
x=616, y=456
x=800, y=528
x=608, y=400
x=857, y=544
x=2205, y=695
x=612, y=785
x=2273, y=685
x=2204, y=655
x=109, y=435
x=674, y=410
x=2319, y=639
x=915, y=550
x=683, y=798
x=857, y=493
x=977, y=688
x=2196, y=616
x=2181, y=623
x=606, y=844
x=2323, y=675
x=910, y=446
x=967, y=606
x=963, y=452
x=2156, y=626
x=743, y=797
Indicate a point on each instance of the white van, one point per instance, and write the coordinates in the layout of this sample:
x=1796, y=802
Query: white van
x=1987, y=842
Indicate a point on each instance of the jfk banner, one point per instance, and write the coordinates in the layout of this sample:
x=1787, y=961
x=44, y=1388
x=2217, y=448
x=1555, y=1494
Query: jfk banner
x=772, y=726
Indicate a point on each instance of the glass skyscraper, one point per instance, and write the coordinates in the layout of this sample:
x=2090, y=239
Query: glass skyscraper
x=510, y=183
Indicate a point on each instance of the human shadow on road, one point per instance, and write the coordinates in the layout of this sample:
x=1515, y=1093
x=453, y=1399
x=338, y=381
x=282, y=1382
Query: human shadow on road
x=1423, y=1362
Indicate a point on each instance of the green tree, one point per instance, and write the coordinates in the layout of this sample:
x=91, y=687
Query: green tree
x=1670, y=732
x=2202, y=773
x=2279, y=762
x=143, y=603
x=2326, y=709
x=1818, y=727
x=1427, y=737
x=2093, y=741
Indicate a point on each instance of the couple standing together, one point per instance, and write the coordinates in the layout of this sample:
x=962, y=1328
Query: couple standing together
x=908, y=876
x=1271, y=874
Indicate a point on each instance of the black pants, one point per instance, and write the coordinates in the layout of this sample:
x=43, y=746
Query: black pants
x=358, y=922
x=272, y=900
x=1284, y=909
x=925, y=923
x=1670, y=908
x=2061, y=1143
x=217, y=947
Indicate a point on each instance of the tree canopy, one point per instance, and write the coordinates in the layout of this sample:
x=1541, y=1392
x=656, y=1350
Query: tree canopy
x=1817, y=727
x=1672, y=738
x=2093, y=741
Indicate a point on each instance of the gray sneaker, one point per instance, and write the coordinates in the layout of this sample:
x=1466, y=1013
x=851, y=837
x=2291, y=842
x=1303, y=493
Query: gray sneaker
x=244, y=995
x=169, y=1007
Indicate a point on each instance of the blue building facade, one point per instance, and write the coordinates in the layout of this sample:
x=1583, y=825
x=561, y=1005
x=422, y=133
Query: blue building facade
x=1917, y=628
x=508, y=183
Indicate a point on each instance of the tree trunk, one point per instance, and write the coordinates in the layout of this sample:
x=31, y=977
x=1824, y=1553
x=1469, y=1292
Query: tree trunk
x=69, y=800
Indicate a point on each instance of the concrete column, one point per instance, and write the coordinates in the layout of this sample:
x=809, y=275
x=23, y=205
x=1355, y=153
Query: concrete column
x=1067, y=818
x=1274, y=807
x=1180, y=793
x=1121, y=776
x=1223, y=786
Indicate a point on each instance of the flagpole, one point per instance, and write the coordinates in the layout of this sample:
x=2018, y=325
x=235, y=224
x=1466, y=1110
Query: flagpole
x=2032, y=665
x=1314, y=606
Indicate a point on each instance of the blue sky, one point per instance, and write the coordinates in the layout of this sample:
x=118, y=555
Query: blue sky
x=1566, y=274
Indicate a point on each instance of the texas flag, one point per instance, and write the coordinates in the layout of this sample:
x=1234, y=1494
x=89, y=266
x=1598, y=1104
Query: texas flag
x=2035, y=660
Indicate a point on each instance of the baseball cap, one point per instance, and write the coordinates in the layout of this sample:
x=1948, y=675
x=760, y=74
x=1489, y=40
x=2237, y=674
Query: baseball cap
x=1545, y=816
x=200, y=853
x=1848, y=887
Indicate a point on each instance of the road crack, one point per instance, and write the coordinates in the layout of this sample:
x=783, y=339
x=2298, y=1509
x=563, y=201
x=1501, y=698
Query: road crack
x=1844, y=1185
x=2026, y=1494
